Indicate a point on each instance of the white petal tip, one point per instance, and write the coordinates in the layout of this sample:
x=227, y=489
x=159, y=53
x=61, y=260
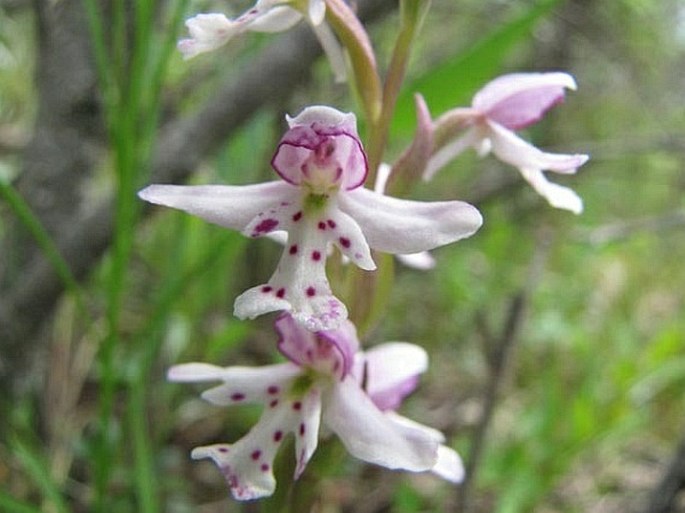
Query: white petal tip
x=189, y=372
x=449, y=465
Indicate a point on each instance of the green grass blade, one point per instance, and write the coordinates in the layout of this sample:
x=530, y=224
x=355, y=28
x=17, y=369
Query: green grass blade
x=24, y=213
x=38, y=470
x=11, y=505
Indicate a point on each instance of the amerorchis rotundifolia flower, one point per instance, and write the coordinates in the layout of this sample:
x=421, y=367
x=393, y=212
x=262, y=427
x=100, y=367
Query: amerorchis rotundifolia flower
x=210, y=31
x=319, y=201
x=508, y=103
x=327, y=379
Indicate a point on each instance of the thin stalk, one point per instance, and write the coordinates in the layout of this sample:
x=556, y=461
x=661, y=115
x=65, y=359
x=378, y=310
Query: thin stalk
x=24, y=213
x=38, y=471
x=411, y=14
x=145, y=475
x=11, y=505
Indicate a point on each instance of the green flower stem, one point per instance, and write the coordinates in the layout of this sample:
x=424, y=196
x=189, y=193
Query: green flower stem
x=411, y=13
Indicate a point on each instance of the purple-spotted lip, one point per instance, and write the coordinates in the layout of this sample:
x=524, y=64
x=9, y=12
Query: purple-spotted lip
x=309, y=138
x=336, y=338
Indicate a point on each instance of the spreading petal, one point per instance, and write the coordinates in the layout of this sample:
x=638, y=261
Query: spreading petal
x=394, y=225
x=277, y=19
x=371, y=436
x=449, y=465
x=557, y=195
x=392, y=372
x=510, y=148
x=422, y=261
x=207, y=32
x=232, y=207
x=520, y=99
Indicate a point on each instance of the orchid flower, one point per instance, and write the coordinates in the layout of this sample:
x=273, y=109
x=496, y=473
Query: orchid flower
x=509, y=103
x=321, y=382
x=211, y=31
x=319, y=201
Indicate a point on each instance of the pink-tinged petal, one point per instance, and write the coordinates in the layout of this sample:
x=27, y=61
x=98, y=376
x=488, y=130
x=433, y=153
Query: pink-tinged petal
x=370, y=436
x=510, y=148
x=316, y=11
x=520, y=99
x=228, y=206
x=345, y=340
x=422, y=261
x=247, y=465
x=276, y=19
x=392, y=372
x=207, y=32
x=307, y=432
x=321, y=149
x=394, y=225
x=333, y=50
x=557, y=195
x=449, y=465
x=470, y=139
x=329, y=352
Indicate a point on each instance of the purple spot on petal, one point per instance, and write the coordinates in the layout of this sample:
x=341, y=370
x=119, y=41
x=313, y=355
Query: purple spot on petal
x=264, y=467
x=256, y=454
x=280, y=292
x=297, y=216
x=322, y=225
x=345, y=242
x=273, y=403
x=331, y=223
x=238, y=396
x=222, y=449
x=316, y=256
x=302, y=429
x=311, y=291
x=266, y=289
x=273, y=389
x=278, y=436
x=293, y=249
x=266, y=226
x=297, y=405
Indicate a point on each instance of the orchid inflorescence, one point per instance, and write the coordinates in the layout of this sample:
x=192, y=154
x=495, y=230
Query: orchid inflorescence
x=319, y=203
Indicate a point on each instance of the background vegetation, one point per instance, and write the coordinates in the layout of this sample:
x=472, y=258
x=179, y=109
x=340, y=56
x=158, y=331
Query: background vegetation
x=557, y=342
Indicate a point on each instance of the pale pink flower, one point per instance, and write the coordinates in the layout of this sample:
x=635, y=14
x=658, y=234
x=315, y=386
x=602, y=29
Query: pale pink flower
x=322, y=383
x=509, y=103
x=320, y=202
x=213, y=30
